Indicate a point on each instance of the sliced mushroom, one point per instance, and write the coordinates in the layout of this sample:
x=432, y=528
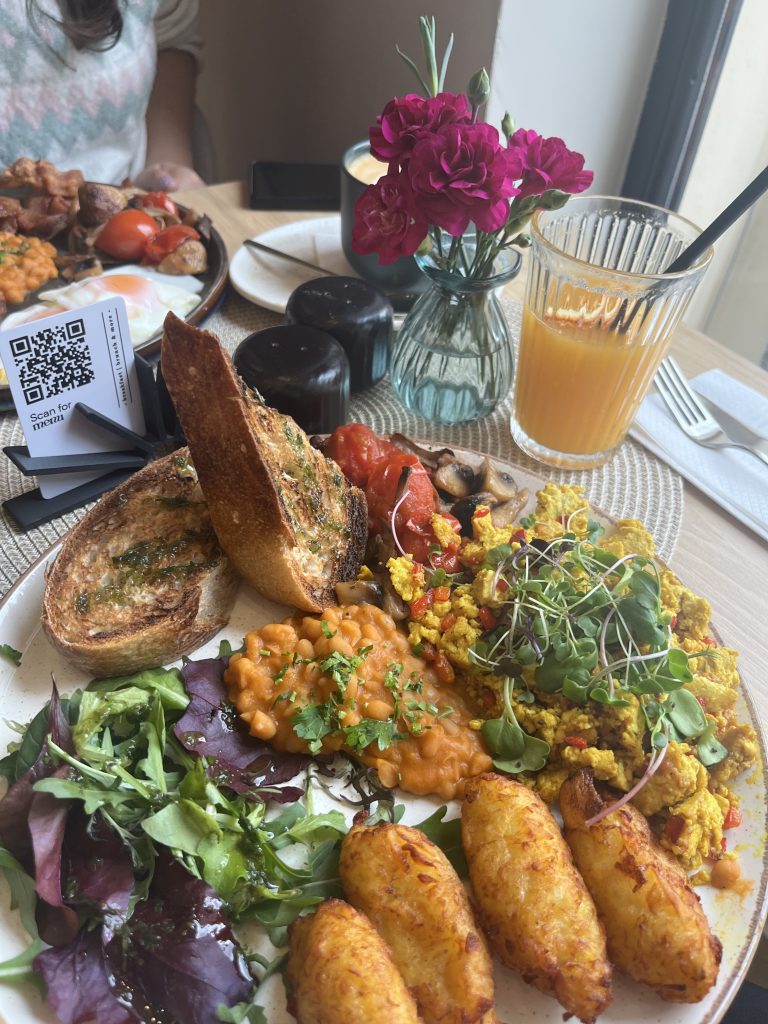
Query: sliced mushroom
x=508, y=512
x=431, y=459
x=466, y=507
x=359, y=592
x=392, y=603
x=455, y=478
x=502, y=485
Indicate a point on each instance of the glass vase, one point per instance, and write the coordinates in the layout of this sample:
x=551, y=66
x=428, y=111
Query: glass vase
x=453, y=359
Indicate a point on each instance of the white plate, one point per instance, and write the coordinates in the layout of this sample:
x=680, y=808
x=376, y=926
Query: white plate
x=737, y=921
x=268, y=280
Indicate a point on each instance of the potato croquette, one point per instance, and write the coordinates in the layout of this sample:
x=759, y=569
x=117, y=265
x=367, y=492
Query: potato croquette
x=532, y=903
x=340, y=970
x=656, y=930
x=416, y=901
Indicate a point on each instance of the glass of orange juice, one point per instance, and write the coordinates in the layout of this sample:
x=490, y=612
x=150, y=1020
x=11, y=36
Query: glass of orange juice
x=598, y=318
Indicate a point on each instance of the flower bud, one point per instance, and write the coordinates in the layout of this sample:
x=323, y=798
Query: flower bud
x=553, y=199
x=479, y=88
x=507, y=126
x=425, y=247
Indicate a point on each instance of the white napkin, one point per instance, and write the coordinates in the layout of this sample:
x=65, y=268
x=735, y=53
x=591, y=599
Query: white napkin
x=732, y=478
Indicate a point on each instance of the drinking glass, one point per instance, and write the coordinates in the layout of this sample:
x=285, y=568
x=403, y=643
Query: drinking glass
x=599, y=316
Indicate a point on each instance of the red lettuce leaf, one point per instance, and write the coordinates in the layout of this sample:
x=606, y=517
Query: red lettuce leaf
x=16, y=804
x=211, y=728
x=97, y=869
x=175, y=960
x=47, y=822
x=78, y=985
x=177, y=953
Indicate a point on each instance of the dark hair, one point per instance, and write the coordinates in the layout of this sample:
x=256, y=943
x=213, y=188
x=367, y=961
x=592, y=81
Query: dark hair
x=88, y=24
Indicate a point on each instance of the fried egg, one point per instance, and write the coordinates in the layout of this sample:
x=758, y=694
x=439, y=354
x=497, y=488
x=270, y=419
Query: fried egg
x=148, y=297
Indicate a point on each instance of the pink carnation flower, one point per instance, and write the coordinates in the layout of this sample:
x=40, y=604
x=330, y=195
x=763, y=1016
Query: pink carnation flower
x=387, y=220
x=548, y=164
x=406, y=118
x=460, y=174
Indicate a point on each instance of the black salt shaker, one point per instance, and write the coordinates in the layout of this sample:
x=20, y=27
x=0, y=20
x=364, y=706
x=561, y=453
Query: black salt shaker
x=299, y=371
x=358, y=316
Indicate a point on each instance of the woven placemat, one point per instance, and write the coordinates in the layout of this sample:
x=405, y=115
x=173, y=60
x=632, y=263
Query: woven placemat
x=634, y=484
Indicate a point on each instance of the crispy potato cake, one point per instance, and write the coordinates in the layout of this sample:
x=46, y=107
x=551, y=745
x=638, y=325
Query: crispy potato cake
x=533, y=905
x=339, y=969
x=656, y=930
x=415, y=899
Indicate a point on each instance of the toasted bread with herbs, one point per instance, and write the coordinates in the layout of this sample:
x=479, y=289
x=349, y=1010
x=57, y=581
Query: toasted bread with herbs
x=141, y=580
x=285, y=515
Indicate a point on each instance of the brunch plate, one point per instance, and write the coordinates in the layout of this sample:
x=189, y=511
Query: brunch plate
x=268, y=280
x=736, y=918
x=213, y=282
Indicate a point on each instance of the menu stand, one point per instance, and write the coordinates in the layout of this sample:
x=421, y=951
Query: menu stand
x=163, y=435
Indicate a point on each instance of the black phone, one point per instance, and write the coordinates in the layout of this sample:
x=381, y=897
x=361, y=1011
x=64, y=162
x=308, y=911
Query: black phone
x=276, y=185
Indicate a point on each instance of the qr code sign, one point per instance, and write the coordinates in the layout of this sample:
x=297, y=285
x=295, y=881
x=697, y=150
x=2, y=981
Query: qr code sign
x=53, y=361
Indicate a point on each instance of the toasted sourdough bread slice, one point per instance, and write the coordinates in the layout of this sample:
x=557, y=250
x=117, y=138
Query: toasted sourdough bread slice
x=141, y=580
x=285, y=515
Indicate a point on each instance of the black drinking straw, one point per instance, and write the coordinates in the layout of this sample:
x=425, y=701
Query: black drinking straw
x=710, y=234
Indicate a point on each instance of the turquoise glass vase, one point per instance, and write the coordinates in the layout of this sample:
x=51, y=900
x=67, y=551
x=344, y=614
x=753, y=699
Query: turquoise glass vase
x=453, y=360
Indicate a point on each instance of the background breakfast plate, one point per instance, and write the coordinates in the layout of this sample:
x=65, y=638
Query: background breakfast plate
x=736, y=919
x=213, y=280
x=268, y=280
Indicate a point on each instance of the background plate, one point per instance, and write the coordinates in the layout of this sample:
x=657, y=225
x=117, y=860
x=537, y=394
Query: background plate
x=214, y=280
x=268, y=280
x=736, y=920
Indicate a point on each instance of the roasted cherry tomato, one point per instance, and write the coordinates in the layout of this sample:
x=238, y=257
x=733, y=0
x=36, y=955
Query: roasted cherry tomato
x=732, y=817
x=674, y=827
x=159, y=201
x=125, y=235
x=418, y=504
x=356, y=450
x=167, y=241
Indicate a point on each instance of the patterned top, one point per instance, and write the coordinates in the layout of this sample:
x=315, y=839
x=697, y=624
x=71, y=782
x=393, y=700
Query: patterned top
x=84, y=109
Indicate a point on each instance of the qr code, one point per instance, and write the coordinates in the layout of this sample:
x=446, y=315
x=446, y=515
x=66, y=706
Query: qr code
x=53, y=361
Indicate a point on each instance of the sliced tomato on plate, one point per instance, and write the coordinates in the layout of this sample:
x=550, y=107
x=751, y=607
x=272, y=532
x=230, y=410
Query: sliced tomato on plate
x=159, y=201
x=125, y=235
x=168, y=240
x=401, y=476
x=356, y=450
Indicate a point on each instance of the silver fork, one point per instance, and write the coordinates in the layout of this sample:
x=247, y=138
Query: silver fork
x=689, y=413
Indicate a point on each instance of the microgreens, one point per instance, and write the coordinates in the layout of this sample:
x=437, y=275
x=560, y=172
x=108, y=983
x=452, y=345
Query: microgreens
x=590, y=626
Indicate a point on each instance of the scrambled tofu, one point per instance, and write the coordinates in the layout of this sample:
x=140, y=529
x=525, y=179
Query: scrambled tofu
x=680, y=776
x=407, y=577
x=699, y=834
x=686, y=801
x=629, y=538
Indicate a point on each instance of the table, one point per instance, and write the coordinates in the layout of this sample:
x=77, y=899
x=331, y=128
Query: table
x=715, y=555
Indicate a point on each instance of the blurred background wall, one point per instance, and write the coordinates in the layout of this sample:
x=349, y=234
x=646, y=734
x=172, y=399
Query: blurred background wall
x=303, y=79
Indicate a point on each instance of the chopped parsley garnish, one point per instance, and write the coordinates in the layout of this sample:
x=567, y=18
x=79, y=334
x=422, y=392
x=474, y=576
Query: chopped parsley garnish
x=313, y=722
x=10, y=653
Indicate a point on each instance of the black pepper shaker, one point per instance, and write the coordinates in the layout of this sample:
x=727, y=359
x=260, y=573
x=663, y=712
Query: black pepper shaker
x=358, y=316
x=299, y=371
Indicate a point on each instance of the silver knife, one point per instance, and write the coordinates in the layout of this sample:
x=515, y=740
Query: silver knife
x=251, y=243
x=734, y=428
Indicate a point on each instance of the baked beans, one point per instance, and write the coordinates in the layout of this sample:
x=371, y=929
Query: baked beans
x=279, y=674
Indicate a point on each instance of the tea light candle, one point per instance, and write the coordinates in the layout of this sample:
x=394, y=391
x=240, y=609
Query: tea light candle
x=356, y=314
x=300, y=371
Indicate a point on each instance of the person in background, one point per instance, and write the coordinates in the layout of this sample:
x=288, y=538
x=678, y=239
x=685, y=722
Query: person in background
x=106, y=86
